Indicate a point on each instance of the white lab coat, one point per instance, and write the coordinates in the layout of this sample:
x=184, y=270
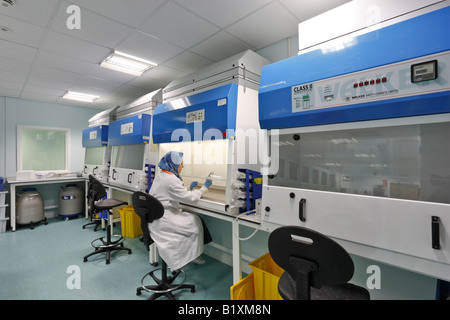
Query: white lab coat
x=178, y=234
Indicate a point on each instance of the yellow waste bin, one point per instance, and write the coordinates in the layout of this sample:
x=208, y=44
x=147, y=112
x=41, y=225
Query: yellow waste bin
x=130, y=222
x=261, y=284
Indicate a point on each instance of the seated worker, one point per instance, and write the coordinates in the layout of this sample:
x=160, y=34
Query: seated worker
x=180, y=236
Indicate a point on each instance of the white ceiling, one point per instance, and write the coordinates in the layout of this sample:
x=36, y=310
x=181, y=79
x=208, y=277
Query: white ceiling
x=41, y=58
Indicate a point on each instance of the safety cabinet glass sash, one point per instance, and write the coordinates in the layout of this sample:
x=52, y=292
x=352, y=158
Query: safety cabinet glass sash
x=404, y=162
x=129, y=156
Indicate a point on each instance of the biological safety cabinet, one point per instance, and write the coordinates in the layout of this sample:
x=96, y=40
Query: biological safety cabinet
x=212, y=117
x=359, y=143
x=133, y=155
x=97, y=156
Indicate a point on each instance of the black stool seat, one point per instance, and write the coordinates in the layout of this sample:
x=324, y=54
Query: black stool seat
x=149, y=209
x=109, y=204
x=110, y=242
x=316, y=267
x=347, y=291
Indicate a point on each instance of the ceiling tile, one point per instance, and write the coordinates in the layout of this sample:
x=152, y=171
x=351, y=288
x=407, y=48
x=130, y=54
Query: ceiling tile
x=258, y=34
x=188, y=62
x=131, y=13
x=21, y=32
x=176, y=25
x=220, y=46
x=94, y=28
x=13, y=76
x=222, y=13
x=38, y=95
x=124, y=95
x=54, y=74
x=7, y=64
x=147, y=47
x=11, y=85
x=303, y=10
x=164, y=73
x=148, y=83
x=49, y=83
x=73, y=47
x=58, y=61
x=32, y=88
x=16, y=51
x=37, y=12
x=94, y=84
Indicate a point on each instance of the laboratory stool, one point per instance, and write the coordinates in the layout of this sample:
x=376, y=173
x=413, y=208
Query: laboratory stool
x=148, y=208
x=316, y=267
x=107, y=244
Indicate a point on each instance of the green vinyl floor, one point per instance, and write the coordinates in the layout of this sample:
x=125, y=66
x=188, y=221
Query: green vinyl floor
x=46, y=263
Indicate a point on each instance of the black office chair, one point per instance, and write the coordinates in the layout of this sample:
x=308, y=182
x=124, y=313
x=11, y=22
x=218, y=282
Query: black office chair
x=92, y=213
x=149, y=209
x=316, y=267
x=100, y=244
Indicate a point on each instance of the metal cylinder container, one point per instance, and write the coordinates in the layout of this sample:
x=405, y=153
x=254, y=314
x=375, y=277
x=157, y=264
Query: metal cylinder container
x=71, y=201
x=30, y=207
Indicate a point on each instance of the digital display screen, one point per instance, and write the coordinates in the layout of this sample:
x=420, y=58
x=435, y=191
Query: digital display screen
x=424, y=71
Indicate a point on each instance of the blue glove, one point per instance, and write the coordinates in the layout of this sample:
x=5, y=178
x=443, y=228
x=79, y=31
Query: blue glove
x=193, y=184
x=208, y=183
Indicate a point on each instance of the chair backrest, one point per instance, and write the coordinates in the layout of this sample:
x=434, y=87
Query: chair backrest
x=310, y=255
x=90, y=181
x=96, y=190
x=149, y=209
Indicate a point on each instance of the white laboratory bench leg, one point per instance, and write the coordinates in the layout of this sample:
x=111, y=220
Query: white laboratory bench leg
x=237, y=270
x=12, y=206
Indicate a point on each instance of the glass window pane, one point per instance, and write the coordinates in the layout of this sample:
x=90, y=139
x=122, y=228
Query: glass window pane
x=406, y=162
x=43, y=150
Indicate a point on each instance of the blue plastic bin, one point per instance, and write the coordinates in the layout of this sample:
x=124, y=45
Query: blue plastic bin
x=1, y=183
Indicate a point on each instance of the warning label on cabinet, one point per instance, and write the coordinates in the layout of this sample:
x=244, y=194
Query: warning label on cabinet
x=302, y=97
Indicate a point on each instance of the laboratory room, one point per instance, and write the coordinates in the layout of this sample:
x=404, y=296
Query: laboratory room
x=227, y=155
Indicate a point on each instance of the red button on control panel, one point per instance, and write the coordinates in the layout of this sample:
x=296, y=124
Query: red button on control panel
x=370, y=82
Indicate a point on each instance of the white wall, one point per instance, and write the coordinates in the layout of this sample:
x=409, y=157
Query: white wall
x=17, y=111
x=26, y=112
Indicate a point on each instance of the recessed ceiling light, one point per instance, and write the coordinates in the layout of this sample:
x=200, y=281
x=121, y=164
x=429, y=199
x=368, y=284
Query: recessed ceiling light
x=78, y=96
x=123, y=62
x=7, y=3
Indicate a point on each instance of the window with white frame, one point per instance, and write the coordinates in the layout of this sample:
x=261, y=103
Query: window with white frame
x=43, y=149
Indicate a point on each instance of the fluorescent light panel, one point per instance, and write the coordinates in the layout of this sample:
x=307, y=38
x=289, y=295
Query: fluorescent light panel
x=123, y=62
x=78, y=96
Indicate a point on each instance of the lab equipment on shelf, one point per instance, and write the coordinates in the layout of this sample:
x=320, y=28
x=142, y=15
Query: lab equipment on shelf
x=246, y=190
